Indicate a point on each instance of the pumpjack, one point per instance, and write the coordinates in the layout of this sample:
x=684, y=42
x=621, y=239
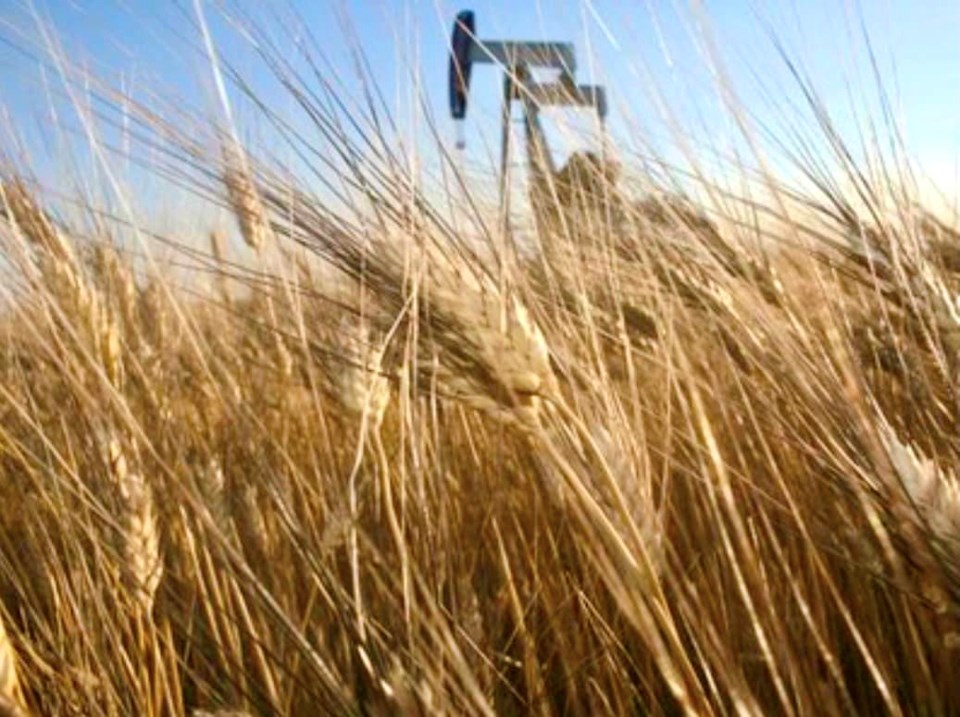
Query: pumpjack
x=518, y=61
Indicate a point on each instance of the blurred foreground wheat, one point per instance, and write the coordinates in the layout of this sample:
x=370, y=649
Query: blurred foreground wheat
x=670, y=461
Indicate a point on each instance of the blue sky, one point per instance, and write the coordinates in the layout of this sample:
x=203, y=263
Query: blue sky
x=645, y=51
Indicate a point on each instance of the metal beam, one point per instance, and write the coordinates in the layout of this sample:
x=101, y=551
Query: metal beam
x=559, y=55
x=563, y=94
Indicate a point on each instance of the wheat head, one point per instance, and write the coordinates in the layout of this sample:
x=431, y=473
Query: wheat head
x=244, y=198
x=139, y=529
x=11, y=693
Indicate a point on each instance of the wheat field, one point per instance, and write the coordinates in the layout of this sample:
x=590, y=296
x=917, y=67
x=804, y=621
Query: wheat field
x=667, y=455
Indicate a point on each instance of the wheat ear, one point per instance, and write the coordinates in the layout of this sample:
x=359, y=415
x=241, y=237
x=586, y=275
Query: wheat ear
x=934, y=493
x=244, y=198
x=495, y=358
x=11, y=693
x=362, y=388
x=139, y=531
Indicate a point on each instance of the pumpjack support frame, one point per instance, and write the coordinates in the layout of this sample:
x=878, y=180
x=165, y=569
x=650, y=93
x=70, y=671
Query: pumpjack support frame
x=518, y=60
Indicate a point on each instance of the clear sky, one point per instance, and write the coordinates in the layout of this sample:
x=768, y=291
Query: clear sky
x=651, y=54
